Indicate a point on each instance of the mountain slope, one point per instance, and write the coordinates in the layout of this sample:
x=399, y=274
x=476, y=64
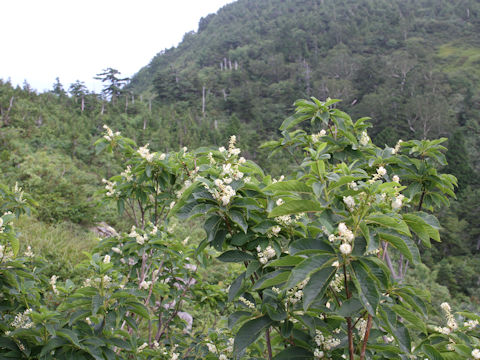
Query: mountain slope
x=254, y=58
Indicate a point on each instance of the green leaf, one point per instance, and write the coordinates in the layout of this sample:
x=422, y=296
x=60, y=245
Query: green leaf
x=399, y=332
x=389, y=221
x=238, y=218
x=404, y=244
x=294, y=353
x=286, y=261
x=350, y=307
x=293, y=120
x=52, y=344
x=337, y=181
x=139, y=309
x=296, y=207
x=236, y=316
x=408, y=315
x=289, y=185
x=271, y=279
x=71, y=336
x=15, y=244
x=249, y=332
x=235, y=256
x=310, y=244
x=307, y=267
x=372, y=242
x=97, y=303
x=236, y=287
x=432, y=353
x=366, y=287
x=317, y=285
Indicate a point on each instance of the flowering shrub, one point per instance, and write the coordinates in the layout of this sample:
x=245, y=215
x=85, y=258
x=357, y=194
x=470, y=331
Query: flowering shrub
x=317, y=246
x=324, y=252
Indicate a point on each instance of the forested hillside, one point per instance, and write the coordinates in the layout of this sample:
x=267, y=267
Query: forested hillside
x=412, y=66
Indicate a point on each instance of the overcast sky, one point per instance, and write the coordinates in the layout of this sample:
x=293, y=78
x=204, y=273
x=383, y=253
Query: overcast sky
x=74, y=40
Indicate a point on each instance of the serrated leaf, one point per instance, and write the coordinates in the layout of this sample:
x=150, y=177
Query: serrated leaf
x=432, y=353
x=295, y=207
x=290, y=186
x=366, y=287
x=309, y=244
x=236, y=316
x=139, y=309
x=249, y=332
x=317, y=285
x=236, y=287
x=271, y=279
x=350, y=307
x=294, y=353
x=404, y=244
x=389, y=221
x=286, y=261
x=410, y=317
x=69, y=335
x=235, y=256
x=307, y=267
x=238, y=218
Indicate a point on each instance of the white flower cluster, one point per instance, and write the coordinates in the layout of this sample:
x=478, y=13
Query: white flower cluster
x=145, y=153
x=280, y=179
x=361, y=326
x=337, y=283
x=316, y=137
x=284, y=220
x=22, y=320
x=295, y=294
x=110, y=187
x=142, y=347
x=247, y=302
x=470, y=324
x=1, y=225
x=127, y=173
x=398, y=200
x=349, y=202
x=211, y=347
x=232, y=150
x=265, y=255
x=109, y=133
x=117, y=250
x=476, y=354
x=346, y=236
x=29, y=252
x=140, y=239
x=319, y=354
x=397, y=147
x=223, y=192
x=145, y=285
x=230, y=173
x=452, y=324
x=381, y=172
x=106, y=259
x=273, y=231
x=18, y=190
x=97, y=282
x=327, y=343
x=353, y=185
x=53, y=283
x=5, y=254
x=364, y=138
x=397, y=203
